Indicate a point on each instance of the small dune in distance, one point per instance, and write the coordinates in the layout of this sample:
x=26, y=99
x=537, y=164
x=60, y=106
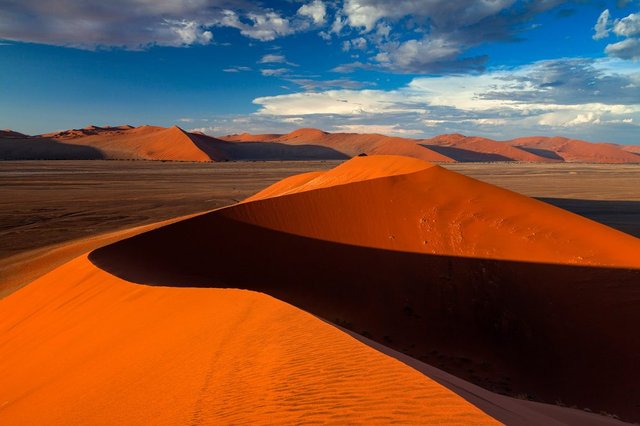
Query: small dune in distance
x=175, y=144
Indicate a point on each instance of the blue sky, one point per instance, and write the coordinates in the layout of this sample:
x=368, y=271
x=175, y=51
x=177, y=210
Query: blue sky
x=495, y=68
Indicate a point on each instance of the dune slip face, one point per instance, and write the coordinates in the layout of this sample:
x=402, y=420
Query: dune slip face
x=502, y=290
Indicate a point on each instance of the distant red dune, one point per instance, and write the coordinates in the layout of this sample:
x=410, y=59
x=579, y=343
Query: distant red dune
x=175, y=144
x=572, y=150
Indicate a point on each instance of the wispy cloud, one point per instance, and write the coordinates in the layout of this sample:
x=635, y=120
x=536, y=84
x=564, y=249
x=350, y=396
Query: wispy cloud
x=237, y=69
x=271, y=72
x=580, y=97
x=627, y=28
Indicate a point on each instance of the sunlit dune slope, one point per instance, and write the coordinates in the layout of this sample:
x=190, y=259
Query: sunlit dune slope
x=114, y=143
x=503, y=290
x=84, y=347
x=148, y=143
x=423, y=208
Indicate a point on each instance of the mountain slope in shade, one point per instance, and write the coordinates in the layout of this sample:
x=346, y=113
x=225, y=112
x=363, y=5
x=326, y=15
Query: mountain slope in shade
x=573, y=150
x=498, y=288
x=9, y=134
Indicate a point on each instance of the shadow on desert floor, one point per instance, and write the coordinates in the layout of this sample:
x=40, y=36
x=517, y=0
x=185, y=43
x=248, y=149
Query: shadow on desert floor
x=619, y=214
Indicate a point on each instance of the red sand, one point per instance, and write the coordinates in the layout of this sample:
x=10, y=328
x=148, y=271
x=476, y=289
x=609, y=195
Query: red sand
x=175, y=144
x=353, y=144
x=415, y=255
x=122, y=142
x=82, y=346
x=455, y=147
x=575, y=150
x=147, y=143
x=473, y=149
x=442, y=213
x=631, y=148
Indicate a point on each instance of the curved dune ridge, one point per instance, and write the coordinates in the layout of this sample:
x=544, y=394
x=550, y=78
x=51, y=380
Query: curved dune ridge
x=493, y=286
x=83, y=346
x=146, y=143
x=440, y=212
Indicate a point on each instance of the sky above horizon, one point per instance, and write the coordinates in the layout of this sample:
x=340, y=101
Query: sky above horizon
x=414, y=68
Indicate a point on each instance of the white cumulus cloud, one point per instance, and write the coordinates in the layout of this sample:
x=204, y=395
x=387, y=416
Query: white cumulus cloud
x=316, y=10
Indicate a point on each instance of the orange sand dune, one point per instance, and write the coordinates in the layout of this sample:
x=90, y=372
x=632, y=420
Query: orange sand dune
x=631, y=148
x=123, y=142
x=147, y=143
x=81, y=346
x=349, y=144
x=175, y=144
x=461, y=217
x=267, y=149
x=453, y=147
x=501, y=289
x=473, y=149
x=565, y=149
x=88, y=131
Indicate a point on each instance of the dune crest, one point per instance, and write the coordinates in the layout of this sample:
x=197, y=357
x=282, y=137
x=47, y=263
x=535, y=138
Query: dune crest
x=423, y=259
x=444, y=213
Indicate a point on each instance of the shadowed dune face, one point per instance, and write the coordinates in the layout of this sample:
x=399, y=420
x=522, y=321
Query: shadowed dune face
x=268, y=151
x=503, y=290
x=16, y=148
x=466, y=155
